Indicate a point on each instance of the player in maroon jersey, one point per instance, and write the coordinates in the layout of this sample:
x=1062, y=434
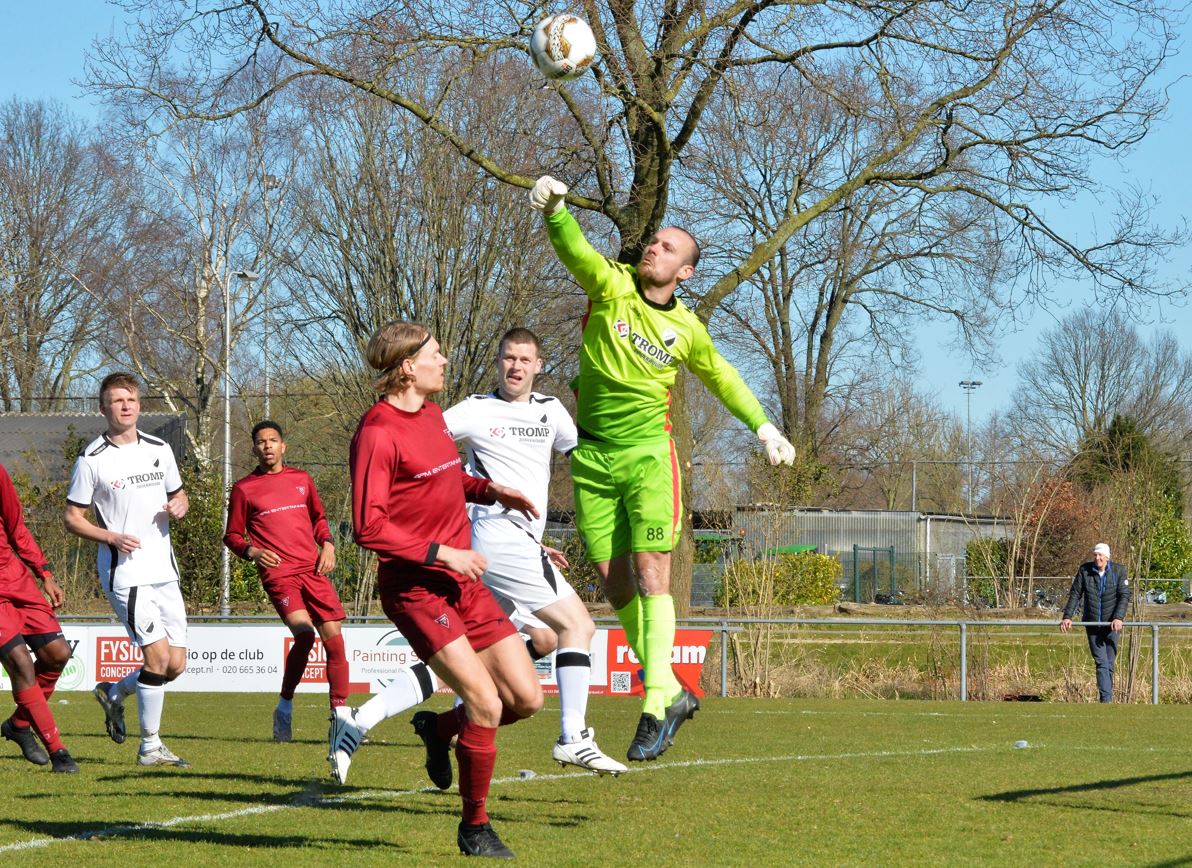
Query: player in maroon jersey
x=276, y=520
x=408, y=495
x=27, y=623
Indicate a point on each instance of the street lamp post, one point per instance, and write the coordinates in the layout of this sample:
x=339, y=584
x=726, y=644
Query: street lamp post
x=969, y=387
x=225, y=567
x=269, y=182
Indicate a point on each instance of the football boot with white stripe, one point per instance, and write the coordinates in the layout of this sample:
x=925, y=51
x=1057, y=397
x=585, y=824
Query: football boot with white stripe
x=585, y=754
x=344, y=737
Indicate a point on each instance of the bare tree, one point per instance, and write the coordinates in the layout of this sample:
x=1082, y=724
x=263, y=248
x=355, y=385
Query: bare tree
x=881, y=439
x=394, y=224
x=1094, y=366
x=199, y=188
x=61, y=249
x=997, y=106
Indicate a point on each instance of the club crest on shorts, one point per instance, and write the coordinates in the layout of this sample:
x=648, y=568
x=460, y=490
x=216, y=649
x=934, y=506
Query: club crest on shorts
x=443, y=622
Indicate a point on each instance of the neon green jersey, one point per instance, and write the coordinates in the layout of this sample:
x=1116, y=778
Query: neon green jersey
x=632, y=348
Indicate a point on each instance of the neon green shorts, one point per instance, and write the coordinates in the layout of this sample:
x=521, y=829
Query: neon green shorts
x=627, y=498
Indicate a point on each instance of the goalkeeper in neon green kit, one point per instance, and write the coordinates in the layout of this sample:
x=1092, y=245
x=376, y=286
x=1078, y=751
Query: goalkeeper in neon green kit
x=626, y=475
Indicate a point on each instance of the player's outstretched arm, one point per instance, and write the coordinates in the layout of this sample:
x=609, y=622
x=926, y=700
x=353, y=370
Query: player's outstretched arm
x=547, y=195
x=511, y=498
x=778, y=449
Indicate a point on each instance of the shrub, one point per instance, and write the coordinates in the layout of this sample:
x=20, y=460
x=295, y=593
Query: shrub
x=803, y=579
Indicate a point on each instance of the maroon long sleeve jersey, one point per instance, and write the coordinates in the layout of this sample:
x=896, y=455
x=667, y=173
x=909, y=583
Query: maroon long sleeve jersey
x=409, y=491
x=19, y=551
x=280, y=512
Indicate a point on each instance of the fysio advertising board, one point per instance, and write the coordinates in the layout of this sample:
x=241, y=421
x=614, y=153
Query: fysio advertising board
x=249, y=658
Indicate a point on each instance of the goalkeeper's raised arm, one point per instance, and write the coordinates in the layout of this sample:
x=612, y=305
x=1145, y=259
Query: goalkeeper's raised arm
x=600, y=277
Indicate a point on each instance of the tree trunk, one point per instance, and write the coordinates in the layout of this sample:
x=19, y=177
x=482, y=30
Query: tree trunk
x=683, y=556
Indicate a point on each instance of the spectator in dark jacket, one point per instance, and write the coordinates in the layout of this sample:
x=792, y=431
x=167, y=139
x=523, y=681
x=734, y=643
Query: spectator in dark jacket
x=1103, y=586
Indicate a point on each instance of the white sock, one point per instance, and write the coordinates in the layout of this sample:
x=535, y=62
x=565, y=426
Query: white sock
x=150, y=700
x=573, y=671
x=125, y=686
x=413, y=685
x=285, y=706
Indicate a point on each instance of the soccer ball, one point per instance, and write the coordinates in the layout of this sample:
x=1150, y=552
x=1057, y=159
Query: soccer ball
x=562, y=46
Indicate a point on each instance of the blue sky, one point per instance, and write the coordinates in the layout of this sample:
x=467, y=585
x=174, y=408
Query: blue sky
x=42, y=48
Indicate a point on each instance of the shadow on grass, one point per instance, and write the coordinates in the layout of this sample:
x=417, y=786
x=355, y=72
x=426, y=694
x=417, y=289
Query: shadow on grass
x=1091, y=787
x=86, y=830
x=134, y=832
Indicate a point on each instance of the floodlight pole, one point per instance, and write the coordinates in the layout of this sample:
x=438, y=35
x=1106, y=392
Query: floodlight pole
x=269, y=182
x=969, y=387
x=225, y=566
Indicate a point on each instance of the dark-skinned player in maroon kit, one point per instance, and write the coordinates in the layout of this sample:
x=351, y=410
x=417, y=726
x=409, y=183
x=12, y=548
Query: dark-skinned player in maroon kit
x=27, y=623
x=276, y=520
x=408, y=505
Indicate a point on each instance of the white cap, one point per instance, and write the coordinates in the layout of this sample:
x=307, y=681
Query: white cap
x=1101, y=549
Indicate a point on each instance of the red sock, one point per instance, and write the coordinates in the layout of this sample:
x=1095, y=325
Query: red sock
x=337, y=669
x=296, y=663
x=450, y=722
x=33, y=703
x=476, y=754
x=47, y=680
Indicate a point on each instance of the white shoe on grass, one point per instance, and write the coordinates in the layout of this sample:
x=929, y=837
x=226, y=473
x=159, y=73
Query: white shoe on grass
x=585, y=754
x=160, y=756
x=344, y=737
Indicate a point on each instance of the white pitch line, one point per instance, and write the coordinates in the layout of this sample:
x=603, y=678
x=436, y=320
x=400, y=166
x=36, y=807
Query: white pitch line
x=310, y=800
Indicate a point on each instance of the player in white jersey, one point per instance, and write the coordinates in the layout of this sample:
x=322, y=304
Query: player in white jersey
x=509, y=436
x=130, y=481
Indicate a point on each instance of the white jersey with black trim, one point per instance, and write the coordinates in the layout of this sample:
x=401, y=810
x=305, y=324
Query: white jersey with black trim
x=510, y=442
x=127, y=486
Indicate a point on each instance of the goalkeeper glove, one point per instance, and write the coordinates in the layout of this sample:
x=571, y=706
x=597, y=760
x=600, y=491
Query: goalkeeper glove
x=547, y=195
x=778, y=449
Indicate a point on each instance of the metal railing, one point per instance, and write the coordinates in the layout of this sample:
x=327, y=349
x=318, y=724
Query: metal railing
x=726, y=626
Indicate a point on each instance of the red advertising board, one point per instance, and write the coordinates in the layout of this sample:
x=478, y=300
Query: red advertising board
x=115, y=657
x=687, y=659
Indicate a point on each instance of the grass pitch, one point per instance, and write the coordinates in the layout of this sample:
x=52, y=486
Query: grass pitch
x=749, y=782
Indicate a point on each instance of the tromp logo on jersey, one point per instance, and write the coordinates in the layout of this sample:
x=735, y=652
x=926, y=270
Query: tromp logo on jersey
x=496, y=432
x=655, y=355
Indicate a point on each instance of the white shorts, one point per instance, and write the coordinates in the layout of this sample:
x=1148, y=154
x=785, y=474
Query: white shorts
x=151, y=612
x=519, y=573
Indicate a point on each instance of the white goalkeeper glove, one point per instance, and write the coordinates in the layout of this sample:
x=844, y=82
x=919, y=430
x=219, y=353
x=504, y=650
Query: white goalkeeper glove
x=547, y=195
x=778, y=449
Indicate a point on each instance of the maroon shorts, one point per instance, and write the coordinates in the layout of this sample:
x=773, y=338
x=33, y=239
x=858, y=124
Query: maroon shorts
x=308, y=591
x=25, y=612
x=434, y=614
